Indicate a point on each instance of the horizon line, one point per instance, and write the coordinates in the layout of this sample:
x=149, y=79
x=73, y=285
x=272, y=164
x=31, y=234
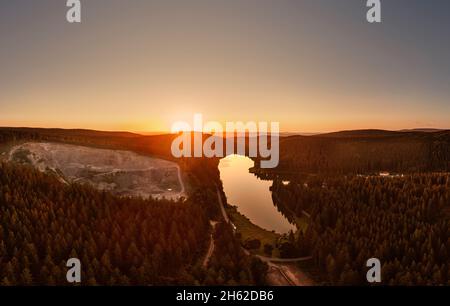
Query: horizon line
x=161, y=132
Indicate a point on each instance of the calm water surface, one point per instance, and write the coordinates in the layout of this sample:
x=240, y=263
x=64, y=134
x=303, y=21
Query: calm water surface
x=251, y=195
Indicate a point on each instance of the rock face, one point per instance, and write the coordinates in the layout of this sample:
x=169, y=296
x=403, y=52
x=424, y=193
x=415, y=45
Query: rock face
x=123, y=173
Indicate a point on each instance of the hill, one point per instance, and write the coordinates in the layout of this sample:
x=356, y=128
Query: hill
x=359, y=151
x=366, y=151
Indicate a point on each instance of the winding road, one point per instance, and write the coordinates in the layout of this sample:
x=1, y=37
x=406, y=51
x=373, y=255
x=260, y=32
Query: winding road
x=263, y=258
x=281, y=271
x=180, y=179
x=222, y=207
x=211, y=245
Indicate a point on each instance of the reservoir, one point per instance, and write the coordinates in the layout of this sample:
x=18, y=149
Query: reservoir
x=251, y=195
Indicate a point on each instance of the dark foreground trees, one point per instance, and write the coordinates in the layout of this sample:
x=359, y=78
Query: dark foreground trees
x=122, y=241
x=230, y=265
x=403, y=221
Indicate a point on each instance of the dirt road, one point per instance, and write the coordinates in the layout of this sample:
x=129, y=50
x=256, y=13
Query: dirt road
x=287, y=275
x=211, y=245
x=222, y=208
x=282, y=271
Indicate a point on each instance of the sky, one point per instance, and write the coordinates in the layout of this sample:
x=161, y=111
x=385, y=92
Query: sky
x=141, y=65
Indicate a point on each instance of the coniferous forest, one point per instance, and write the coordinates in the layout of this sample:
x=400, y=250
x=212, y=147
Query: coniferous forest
x=213, y=151
x=119, y=240
x=404, y=221
x=352, y=212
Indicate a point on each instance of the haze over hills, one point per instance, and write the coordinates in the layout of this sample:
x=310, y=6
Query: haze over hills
x=430, y=130
x=378, y=132
x=81, y=131
x=357, y=151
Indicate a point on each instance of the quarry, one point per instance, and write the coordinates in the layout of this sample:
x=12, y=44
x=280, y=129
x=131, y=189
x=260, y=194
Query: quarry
x=122, y=173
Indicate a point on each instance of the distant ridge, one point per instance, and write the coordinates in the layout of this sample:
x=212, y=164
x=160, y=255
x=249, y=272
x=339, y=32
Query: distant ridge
x=361, y=133
x=72, y=132
x=378, y=133
x=425, y=130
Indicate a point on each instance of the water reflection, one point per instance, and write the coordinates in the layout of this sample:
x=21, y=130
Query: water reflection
x=251, y=195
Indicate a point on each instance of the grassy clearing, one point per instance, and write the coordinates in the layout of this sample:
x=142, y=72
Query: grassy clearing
x=248, y=230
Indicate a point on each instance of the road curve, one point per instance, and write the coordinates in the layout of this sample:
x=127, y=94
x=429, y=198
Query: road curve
x=290, y=280
x=222, y=208
x=211, y=245
x=263, y=258
x=181, y=181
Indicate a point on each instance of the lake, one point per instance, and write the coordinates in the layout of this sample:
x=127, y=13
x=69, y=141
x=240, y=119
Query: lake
x=251, y=195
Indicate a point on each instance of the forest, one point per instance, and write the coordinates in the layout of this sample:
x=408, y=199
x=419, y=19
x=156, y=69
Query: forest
x=354, y=214
x=120, y=241
x=362, y=152
x=403, y=221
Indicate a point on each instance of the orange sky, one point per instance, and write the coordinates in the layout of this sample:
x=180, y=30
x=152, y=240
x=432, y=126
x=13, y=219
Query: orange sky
x=313, y=66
